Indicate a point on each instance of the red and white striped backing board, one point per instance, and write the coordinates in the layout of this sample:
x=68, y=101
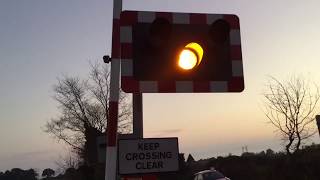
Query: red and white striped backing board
x=129, y=84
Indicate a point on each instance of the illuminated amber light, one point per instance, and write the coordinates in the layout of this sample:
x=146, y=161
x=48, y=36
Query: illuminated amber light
x=187, y=59
x=190, y=56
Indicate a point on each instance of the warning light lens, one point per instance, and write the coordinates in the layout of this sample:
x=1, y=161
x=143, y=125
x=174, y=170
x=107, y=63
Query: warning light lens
x=187, y=59
x=190, y=56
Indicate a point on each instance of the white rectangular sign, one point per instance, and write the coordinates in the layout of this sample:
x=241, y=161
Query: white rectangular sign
x=149, y=155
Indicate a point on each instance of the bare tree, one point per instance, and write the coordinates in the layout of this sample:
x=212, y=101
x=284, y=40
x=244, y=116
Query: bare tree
x=290, y=107
x=84, y=107
x=70, y=160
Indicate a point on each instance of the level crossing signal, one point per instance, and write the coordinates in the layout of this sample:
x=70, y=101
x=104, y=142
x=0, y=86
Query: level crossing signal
x=180, y=52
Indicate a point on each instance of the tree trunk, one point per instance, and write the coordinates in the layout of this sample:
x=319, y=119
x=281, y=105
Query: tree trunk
x=289, y=145
x=90, y=147
x=297, y=148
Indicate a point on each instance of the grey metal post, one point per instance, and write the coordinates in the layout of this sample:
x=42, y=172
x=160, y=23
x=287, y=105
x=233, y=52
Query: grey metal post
x=137, y=115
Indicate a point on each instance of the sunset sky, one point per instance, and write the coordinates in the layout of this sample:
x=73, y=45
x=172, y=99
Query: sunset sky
x=41, y=40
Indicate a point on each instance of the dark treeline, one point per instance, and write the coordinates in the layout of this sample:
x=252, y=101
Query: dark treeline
x=19, y=174
x=266, y=165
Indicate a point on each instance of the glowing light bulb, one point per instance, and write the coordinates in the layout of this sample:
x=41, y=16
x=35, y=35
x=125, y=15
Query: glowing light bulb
x=190, y=56
x=187, y=59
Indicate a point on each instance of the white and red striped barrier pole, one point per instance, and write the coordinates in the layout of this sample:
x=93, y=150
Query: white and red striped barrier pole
x=112, y=121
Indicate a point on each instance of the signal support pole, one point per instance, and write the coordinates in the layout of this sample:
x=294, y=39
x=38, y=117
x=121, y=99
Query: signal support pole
x=112, y=121
x=137, y=115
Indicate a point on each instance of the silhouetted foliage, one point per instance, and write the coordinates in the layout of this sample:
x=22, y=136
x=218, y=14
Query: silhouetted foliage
x=84, y=107
x=19, y=174
x=270, y=152
x=290, y=108
x=268, y=165
x=70, y=160
x=48, y=173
